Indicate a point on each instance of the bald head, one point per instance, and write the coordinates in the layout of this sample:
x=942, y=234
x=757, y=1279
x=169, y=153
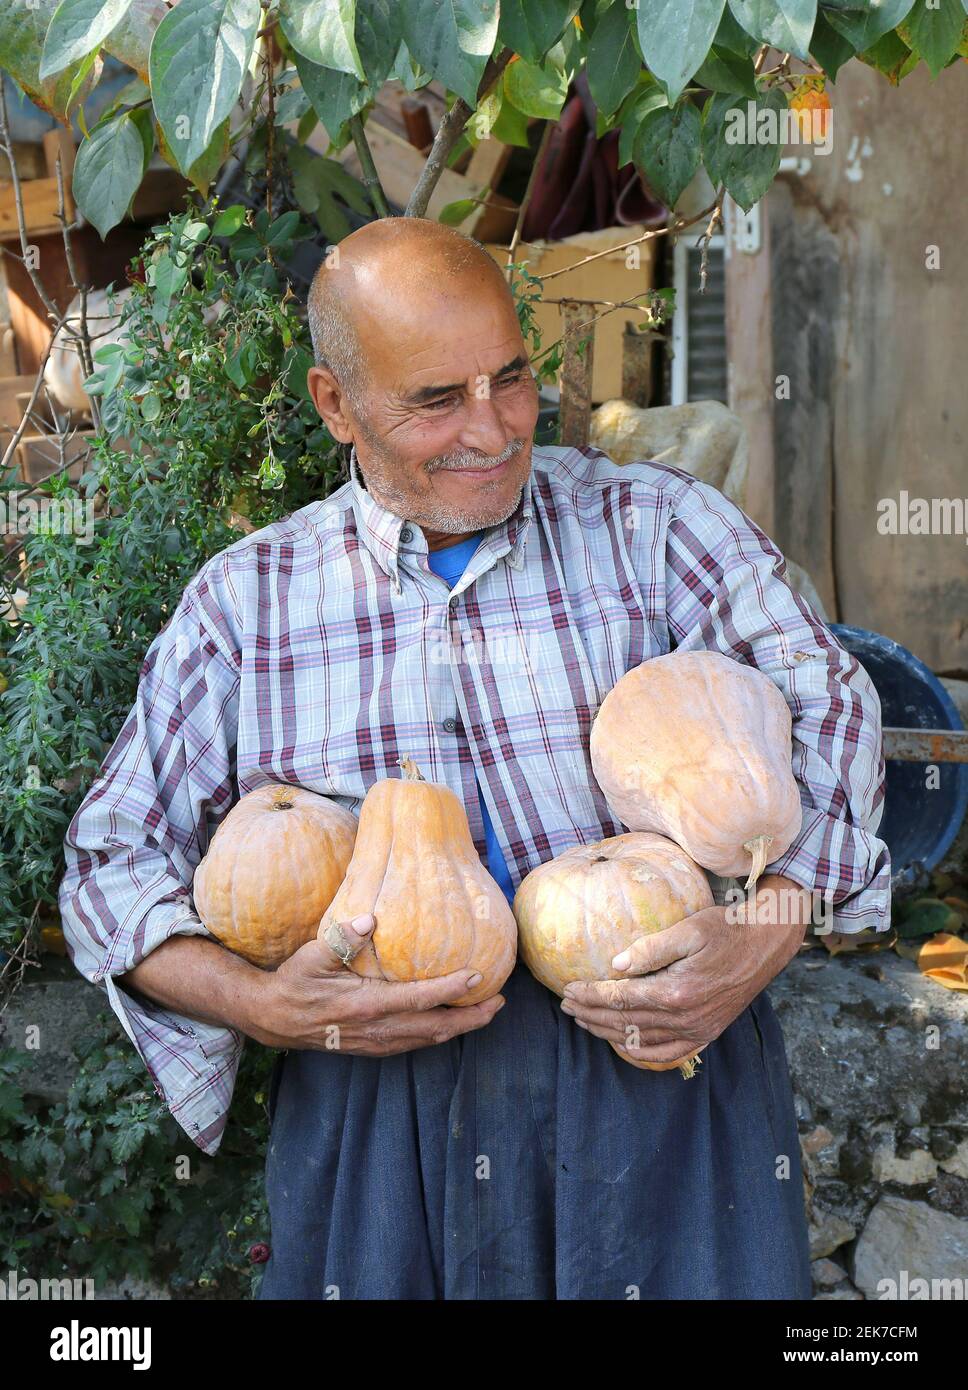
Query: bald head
x=387, y=268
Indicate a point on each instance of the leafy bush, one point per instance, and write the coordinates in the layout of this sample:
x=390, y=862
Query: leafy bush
x=105, y=1185
x=207, y=431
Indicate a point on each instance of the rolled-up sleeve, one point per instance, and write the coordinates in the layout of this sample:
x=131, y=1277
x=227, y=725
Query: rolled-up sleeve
x=132, y=848
x=725, y=590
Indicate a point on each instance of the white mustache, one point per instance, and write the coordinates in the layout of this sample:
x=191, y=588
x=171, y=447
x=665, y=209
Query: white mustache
x=470, y=458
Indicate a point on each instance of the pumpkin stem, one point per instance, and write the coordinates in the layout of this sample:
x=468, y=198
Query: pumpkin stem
x=759, y=848
x=689, y=1065
x=411, y=772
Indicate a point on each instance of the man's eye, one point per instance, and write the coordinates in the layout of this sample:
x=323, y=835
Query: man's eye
x=513, y=380
x=443, y=401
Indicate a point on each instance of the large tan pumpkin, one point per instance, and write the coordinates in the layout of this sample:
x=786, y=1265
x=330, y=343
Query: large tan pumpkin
x=576, y=912
x=698, y=747
x=271, y=871
x=416, y=870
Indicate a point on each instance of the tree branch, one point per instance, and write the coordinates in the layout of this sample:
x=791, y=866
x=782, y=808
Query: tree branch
x=522, y=210
x=448, y=133
x=371, y=179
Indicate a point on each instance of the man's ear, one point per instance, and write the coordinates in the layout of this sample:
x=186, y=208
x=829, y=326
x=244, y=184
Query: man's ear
x=330, y=400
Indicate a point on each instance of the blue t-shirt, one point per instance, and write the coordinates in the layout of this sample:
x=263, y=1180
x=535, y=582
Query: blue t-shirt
x=450, y=563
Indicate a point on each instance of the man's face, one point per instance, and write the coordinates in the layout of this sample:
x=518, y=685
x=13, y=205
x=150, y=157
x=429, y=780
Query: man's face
x=444, y=430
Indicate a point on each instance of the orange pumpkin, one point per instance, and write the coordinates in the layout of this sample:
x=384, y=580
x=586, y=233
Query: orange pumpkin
x=578, y=911
x=416, y=870
x=271, y=870
x=698, y=747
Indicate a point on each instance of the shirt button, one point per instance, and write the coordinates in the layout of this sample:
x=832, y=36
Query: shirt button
x=406, y=535
x=450, y=725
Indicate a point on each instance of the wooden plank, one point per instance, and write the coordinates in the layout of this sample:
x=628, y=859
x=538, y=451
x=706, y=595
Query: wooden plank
x=578, y=354
x=39, y=456
x=925, y=745
x=806, y=256
x=488, y=162
x=749, y=308
x=41, y=204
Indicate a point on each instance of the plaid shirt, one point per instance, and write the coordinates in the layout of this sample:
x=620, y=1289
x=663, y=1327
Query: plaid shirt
x=321, y=649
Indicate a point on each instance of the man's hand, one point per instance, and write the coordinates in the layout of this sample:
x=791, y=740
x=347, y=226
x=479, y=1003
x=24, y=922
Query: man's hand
x=313, y=1001
x=686, y=984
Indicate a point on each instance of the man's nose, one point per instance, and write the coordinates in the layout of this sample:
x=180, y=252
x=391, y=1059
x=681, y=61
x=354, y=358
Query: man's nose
x=483, y=427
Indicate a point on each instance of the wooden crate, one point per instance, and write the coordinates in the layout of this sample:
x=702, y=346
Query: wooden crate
x=607, y=278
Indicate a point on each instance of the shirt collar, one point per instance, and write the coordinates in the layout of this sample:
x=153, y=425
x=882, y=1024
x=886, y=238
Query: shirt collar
x=386, y=535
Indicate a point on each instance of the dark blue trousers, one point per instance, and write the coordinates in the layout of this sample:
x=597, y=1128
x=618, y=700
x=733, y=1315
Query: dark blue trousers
x=528, y=1161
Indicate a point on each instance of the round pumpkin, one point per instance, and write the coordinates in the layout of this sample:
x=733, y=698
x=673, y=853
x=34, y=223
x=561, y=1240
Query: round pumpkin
x=698, y=747
x=578, y=911
x=271, y=871
x=416, y=870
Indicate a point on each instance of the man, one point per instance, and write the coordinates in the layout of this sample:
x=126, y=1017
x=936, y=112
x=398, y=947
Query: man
x=502, y=1150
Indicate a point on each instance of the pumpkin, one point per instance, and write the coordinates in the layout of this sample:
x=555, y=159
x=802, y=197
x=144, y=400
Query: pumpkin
x=416, y=870
x=271, y=870
x=698, y=747
x=577, y=911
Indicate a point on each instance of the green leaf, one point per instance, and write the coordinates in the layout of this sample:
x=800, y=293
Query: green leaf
x=317, y=182
x=199, y=56
x=77, y=29
x=296, y=364
x=936, y=33
x=377, y=38
x=151, y=406
x=830, y=48
x=23, y=29
x=536, y=91
x=925, y=917
x=452, y=40
x=453, y=214
x=323, y=31
x=530, y=28
x=108, y=169
x=668, y=147
x=649, y=98
x=511, y=126
x=740, y=152
x=888, y=56
x=675, y=37
x=730, y=35
x=335, y=96
x=786, y=24
x=724, y=71
x=864, y=25
x=229, y=220
x=613, y=62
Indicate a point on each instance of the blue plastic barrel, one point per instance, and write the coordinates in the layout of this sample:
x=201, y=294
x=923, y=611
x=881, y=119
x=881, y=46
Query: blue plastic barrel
x=920, y=823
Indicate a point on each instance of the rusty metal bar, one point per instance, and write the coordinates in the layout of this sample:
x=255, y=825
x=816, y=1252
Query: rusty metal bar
x=926, y=745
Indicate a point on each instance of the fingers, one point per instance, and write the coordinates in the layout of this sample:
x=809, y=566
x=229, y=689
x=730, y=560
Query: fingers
x=417, y=996
x=658, y=949
x=341, y=941
x=427, y=1028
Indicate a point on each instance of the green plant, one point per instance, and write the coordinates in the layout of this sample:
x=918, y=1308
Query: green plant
x=671, y=77
x=223, y=437
x=105, y=1185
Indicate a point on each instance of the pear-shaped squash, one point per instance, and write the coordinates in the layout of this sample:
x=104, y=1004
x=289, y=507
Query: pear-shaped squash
x=577, y=911
x=271, y=871
x=698, y=747
x=416, y=870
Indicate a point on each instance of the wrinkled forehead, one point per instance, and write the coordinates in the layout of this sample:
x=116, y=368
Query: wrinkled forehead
x=460, y=320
